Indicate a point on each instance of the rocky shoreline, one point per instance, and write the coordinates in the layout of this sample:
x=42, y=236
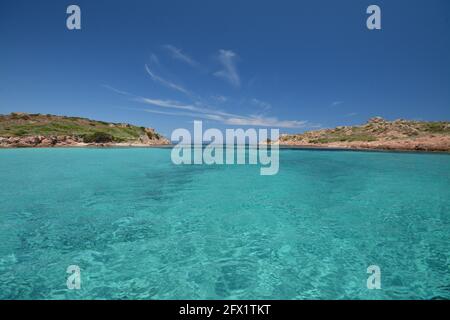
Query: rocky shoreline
x=72, y=141
x=433, y=144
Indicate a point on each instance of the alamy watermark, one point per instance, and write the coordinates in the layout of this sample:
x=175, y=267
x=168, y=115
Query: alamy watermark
x=73, y=21
x=74, y=279
x=374, y=280
x=374, y=20
x=239, y=146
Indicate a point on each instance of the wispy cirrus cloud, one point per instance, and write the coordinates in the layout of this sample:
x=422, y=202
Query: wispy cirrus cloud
x=220, y=98
x=176, y=53
x=165, y=82
x=171, y=104
x=229, y=72
x=199, y=107
x=336, y=103
x=116, y=90
x=261, y=104
x=239, y=120
x=154, y=59
x=200, y=111
x=259, y=121
x=220, y=116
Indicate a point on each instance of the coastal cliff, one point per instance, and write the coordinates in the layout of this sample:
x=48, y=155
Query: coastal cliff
x=20, y=129
x=378, y=133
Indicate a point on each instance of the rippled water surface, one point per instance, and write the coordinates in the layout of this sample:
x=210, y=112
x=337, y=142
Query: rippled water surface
x=140, y=227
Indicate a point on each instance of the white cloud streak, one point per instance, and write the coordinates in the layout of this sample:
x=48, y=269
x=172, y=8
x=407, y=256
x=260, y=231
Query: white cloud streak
x=261, y=104
x=220, y=116
x=116, y=90
x=179, y=55
x=154, y=59
x=265, y=122
x=201, y=112
x=229, y=72
x=337, y=103
x=220, y=98
x=166, y=82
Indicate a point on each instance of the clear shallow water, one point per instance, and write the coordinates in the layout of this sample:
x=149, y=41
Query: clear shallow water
x=142, y=228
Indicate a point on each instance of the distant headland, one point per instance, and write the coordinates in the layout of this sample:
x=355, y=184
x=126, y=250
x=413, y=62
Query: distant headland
x=19, y=129
x=379, y=134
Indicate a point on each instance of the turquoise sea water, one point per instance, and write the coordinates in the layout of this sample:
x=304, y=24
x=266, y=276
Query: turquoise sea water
x=140, y=227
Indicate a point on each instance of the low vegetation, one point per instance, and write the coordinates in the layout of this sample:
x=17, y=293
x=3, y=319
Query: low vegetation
x=98, y=137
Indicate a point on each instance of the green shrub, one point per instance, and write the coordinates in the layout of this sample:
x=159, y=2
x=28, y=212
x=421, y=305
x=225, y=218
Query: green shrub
x=437, y=127
x=98, y=137
x=21, y=132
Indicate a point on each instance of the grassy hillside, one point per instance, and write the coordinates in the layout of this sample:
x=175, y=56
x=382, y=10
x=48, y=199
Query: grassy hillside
x=23, y=125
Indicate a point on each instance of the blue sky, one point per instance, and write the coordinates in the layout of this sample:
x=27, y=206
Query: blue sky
x=295, y=65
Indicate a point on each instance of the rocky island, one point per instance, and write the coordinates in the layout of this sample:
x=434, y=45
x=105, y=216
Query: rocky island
x=19, y=129
x=378, y=133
